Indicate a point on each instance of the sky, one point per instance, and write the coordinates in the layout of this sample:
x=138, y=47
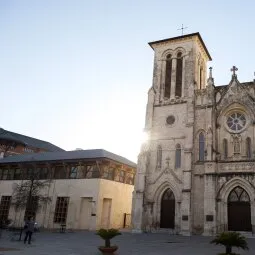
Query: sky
x=76, y=72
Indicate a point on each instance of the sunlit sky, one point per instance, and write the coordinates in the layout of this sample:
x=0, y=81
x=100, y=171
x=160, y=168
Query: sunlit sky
x=76, y=73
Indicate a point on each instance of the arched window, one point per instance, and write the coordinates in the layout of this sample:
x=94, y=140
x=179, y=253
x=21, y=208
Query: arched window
x=178, y=86
x=248, y=147
x=178, y=156
x=225, y=148
x=238, y=194
x=159, y=156
x=201, y=147
x=201, y=78
x=168, y=75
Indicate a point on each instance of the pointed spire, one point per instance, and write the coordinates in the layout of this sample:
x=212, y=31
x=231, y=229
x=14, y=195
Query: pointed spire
x=210, y=80
x=210, y=72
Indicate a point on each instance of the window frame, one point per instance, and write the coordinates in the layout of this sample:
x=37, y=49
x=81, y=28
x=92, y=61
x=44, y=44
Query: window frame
x=61, y=210
x=201, y=147
x=178, y=156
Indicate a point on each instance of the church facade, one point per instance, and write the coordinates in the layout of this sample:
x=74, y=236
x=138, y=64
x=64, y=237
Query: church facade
x=195, y=174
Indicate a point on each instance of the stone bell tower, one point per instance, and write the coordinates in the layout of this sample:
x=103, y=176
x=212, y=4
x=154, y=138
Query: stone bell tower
x=163, y=187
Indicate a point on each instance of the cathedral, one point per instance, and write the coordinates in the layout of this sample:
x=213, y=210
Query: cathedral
x=195, y=174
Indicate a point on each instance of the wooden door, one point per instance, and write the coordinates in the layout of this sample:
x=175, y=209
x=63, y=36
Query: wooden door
x=85, y=212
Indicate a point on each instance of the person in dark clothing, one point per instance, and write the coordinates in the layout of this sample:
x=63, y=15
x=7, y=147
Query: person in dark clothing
x=29, y=229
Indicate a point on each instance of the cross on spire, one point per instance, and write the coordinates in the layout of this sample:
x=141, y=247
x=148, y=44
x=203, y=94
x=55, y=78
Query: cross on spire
x=182, y=28
x=234, y=69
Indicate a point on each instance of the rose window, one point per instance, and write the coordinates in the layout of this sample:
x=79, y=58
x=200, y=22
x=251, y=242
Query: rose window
x=236, y=121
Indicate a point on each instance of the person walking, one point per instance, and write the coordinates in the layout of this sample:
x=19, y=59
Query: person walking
x=29, y=229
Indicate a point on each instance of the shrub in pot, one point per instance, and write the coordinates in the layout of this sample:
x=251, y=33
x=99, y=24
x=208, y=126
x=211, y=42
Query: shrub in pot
x=230, y=240
x=107, y=235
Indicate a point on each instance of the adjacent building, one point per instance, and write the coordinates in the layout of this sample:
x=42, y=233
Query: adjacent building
x=82, y=189
x=196, y=173
x=13, y=143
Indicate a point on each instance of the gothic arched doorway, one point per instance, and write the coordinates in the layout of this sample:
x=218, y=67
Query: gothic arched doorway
x=167, y=214
x=239, y=210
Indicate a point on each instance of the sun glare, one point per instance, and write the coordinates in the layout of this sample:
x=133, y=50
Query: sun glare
x=144, y=137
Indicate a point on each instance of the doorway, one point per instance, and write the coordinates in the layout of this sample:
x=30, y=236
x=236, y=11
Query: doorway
x=106, y=213
x=167, y=216
x=239, y=210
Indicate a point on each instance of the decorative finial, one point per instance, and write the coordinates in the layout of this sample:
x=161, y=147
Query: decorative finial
x=234, y=69
x=210, y=72
x=182, y=28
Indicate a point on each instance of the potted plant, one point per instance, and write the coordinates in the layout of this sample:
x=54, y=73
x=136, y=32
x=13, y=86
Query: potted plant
x=107, y=235
x=230, y=240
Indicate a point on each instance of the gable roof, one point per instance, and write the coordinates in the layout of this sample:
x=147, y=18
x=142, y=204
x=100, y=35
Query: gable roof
x=28, y=141
x=235, y=92
x=66, y=155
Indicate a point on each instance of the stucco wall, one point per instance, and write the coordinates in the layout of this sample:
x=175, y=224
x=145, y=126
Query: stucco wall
x=92, y=190
x=121, y=195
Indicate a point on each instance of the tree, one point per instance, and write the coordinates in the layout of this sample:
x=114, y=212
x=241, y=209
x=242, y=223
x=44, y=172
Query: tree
x=230, y=240
x=29, y=195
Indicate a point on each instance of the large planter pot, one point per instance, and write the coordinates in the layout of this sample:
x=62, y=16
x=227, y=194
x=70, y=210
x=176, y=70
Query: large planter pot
x=108, y=250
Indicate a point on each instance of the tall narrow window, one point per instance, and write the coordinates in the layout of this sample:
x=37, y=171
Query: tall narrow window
x=201, y=78
x=248, y=147
x=225, y=148
x=159, y=156
x=5, y=207
x=178, y=156
x=201, y=147
x=61, y=210
x=178, y=87
x=168, y=74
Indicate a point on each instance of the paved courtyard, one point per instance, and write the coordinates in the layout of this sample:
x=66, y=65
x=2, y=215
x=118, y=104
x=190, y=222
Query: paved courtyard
x=85, y=243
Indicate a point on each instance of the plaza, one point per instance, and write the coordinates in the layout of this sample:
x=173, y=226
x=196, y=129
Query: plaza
x=86, y=242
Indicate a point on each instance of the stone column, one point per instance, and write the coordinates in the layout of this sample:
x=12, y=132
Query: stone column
x=162, y=79
x=183, y=75
x=149, y=109
x=138, y=193
x=173, y=78
x=186, y=195
x=209, y=201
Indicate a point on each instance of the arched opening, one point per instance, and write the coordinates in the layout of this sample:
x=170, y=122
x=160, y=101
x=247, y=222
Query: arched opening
x=225, y=148
x=178, y=87
x=178, y=156
x=239, y=210
x=168, y=76
x=248, y=148
x=159, y=156
x=201, y=147
x=167, y=215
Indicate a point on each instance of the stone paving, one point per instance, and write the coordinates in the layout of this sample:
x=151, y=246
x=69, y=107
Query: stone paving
x=85, y=243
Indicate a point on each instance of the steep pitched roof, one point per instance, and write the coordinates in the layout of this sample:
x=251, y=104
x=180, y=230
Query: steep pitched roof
x=235, y=92
x=28, y=141
x=66, y=155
